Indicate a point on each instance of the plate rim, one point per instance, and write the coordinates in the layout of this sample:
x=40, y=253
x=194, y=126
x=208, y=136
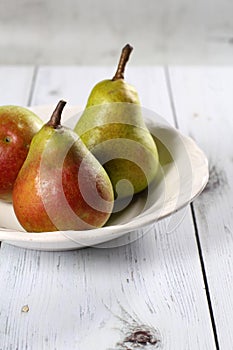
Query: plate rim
x=58, y=237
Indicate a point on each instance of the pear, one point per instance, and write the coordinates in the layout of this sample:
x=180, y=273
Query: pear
x=18, y=125
x=113, y=129
x=61, y=185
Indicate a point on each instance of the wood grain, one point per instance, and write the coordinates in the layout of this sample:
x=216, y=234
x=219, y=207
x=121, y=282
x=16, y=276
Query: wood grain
x=204, y=105
x=98, y=297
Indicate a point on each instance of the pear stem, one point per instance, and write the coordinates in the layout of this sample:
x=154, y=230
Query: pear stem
x=126, y=51
x=55, y=120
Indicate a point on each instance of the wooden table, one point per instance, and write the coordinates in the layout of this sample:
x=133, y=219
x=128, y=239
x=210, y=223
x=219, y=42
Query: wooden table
x=174, y=283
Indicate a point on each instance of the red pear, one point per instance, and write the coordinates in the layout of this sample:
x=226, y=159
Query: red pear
x=18, y=125
x=61, y=185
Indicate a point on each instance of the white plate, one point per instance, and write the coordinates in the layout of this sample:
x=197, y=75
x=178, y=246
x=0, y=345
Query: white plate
x=183, y=175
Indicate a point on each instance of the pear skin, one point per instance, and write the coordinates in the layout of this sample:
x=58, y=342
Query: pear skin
x=18, y=125
x=113, y=129
x=61, y=186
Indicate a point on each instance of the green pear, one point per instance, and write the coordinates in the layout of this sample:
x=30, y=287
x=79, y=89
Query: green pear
x=113, y=129
x=18, y=125
x=61, y=185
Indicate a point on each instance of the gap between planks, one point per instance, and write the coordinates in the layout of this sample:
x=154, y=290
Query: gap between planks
x=33, y=83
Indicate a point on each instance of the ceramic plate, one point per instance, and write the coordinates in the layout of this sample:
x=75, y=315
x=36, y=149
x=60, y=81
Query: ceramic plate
x=183, y=174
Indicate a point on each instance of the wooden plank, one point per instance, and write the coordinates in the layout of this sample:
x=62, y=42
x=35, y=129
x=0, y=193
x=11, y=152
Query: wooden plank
x=99, y=296
x=15, y=84
x=204, y=105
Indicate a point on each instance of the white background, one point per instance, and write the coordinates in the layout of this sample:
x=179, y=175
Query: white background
x=93, y=32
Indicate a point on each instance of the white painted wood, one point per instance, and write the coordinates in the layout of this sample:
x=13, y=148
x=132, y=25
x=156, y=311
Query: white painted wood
x=204, y=105
x=79, y=298
x=94, y=298
x=15, y=84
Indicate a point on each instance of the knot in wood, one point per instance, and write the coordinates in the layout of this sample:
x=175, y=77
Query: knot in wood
x=141, y=337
